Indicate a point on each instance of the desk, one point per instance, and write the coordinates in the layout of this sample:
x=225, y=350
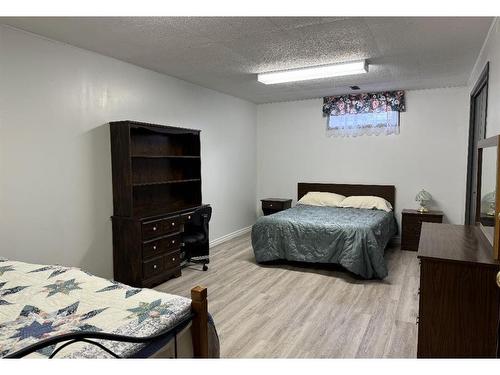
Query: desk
x=147, y=251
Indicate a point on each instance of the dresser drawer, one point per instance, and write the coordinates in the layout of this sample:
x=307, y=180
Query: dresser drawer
x=160, y=227
x=272, y=205
x=186, y=218
x=173, y=259
x=160, y=246
x=171, y=224
x=152, y=229
x=153, y=267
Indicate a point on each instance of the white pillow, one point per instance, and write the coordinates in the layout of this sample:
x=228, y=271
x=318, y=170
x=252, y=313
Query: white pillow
x=316, y=198
x=366, y=201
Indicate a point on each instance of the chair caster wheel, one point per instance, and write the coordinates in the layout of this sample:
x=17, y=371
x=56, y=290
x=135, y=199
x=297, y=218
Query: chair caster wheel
x=205, y=267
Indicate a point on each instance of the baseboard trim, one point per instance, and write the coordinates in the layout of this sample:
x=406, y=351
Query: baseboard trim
x=230, y=236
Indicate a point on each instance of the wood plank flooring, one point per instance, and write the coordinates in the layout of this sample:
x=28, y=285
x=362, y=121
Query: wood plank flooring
x=283, y=311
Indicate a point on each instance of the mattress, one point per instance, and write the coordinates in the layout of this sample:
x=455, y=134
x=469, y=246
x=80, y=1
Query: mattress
x=42, y=301
x=352, y=237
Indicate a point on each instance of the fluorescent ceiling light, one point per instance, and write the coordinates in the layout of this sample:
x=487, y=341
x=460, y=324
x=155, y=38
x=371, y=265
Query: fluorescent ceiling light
x=315, y=72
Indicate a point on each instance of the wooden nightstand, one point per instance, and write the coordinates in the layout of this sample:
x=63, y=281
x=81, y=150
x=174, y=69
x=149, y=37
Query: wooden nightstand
x=273, y=205
x=412, y=223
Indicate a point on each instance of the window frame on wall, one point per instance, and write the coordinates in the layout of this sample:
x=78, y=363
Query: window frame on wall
x=371, y=123
x=476, y=133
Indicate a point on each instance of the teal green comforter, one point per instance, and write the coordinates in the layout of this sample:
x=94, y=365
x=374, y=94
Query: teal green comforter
x=354, y=238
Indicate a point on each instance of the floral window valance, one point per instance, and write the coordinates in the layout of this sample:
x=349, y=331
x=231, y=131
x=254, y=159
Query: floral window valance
x=376, y=102
x=364, y=114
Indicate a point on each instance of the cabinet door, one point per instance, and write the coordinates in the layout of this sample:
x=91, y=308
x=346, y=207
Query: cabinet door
x=410, y=233
x=498, y=331
x=459, y=310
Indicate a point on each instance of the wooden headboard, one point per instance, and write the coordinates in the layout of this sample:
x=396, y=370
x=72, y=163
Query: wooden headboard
x=388, y=192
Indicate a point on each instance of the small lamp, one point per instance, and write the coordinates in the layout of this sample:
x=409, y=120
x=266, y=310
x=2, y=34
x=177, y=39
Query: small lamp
x=489, y=201
x=423, y=198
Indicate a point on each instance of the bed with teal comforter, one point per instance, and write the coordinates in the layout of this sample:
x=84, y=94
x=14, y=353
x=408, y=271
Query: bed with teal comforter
x=352, y=237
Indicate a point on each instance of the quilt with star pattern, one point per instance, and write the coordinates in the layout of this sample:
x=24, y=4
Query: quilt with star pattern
x=41, y=301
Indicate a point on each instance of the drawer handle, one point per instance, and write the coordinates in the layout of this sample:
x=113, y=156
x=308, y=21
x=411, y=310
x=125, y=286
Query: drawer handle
x=173, y=224
x=173, y=241
x=154, y=228
x=173, y=259
x=154, y=247
x=189, y=217
x=498, y=279
x=154, y=266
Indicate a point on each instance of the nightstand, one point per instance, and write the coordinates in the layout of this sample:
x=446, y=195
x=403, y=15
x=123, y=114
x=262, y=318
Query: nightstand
x=273, y=205
x=412, y=223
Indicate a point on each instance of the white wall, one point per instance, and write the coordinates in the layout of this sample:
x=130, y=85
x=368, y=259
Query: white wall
x=55, y=168
x=490, y=52
x=429, y=152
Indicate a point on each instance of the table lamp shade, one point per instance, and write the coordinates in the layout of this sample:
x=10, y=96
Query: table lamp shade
x=423, y=198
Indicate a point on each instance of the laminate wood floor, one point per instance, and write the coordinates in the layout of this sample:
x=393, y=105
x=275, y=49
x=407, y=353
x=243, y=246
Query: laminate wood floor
x=284, y=311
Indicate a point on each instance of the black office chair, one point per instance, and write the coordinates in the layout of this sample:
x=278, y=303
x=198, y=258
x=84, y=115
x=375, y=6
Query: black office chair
x=195, y=240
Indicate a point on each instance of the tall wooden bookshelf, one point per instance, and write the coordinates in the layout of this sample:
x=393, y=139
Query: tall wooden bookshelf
x=156, y=185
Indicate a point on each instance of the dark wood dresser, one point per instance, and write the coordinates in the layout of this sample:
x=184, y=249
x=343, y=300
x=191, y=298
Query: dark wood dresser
x=459, y=298
x=411, y=225
x=156, y=188
x=273, y=205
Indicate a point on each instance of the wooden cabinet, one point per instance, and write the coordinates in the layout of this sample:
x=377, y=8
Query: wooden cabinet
x=459, y=300
x=156, y=188
x=156, y=169
x=411, y=225
x=273, y=205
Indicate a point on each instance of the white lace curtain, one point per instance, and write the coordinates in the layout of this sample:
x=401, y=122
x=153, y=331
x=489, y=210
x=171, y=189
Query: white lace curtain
x=353, y=125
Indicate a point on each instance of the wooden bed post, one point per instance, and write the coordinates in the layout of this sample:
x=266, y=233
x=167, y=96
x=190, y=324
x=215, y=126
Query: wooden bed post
x=199, y=327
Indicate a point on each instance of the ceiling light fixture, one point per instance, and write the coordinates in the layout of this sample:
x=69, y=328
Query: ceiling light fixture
x=315, y=72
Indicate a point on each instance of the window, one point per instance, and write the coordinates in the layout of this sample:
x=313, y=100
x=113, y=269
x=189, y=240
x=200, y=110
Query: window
x=370, y=113
x=371, y=123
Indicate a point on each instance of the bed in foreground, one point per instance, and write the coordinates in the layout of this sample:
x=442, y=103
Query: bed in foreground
x=45, y=307
x=352, y=237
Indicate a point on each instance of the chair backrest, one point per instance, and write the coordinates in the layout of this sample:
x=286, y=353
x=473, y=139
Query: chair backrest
x=201, y=216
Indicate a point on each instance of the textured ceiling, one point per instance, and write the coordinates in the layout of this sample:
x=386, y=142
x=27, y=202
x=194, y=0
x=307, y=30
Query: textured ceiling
x=225, y=53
